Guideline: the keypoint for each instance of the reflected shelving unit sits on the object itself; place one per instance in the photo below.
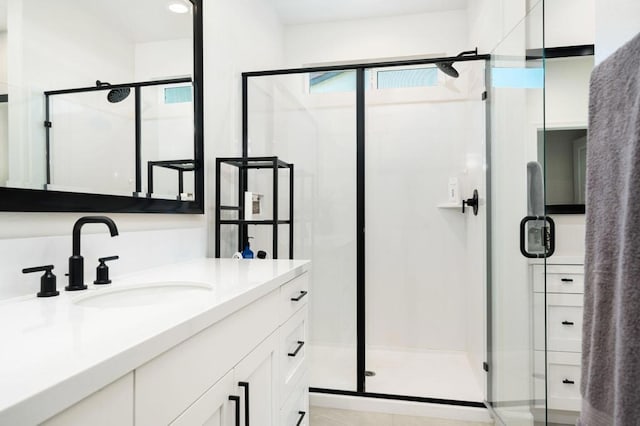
(244, 165)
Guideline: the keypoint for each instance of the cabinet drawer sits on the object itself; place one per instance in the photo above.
(171, 382)
(563, 381)
(295, 411)
(293, 351)
(564, 322)
(560, 278)
(294, 295)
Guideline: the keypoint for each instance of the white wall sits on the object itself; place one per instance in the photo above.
(239, 35)
(569, 22)
(443, 33)
(617, 21)
(490, 21)
(242, 35)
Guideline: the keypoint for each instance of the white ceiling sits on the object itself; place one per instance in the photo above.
(308, 11)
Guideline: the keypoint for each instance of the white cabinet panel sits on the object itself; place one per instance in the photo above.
(214, 408)
(111, 405)
(293, 351)
(294, 295)
(560, 279)
(168, 384)
(563, 369)
(295, 411)
(564, 322)
(258, 373)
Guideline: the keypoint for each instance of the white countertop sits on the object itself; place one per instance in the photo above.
(55, 352)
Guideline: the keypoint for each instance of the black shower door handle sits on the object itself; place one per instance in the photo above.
(548, 237)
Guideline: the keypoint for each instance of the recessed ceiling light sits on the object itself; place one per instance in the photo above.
(178, 7)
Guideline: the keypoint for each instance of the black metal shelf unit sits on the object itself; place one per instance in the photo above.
(244, 164)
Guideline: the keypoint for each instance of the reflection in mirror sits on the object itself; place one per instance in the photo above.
(564, 151)
(565, 165)
(97, 96)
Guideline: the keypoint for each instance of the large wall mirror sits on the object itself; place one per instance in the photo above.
(562, 147)
(101, 106)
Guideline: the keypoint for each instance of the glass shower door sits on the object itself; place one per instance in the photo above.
(308, 119)
(424, 263)
(516, 347)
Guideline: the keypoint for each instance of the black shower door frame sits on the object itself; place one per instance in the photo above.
(360, 207)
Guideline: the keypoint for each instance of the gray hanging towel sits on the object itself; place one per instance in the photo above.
(611, 335)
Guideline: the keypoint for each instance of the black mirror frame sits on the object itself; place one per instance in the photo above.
(32, 200)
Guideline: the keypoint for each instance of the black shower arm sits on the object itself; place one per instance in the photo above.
(468, 52)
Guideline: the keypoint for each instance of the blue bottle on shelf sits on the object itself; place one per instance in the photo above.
(247, 253)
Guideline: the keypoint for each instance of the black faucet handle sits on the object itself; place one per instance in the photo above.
(102, 271)
(46, 268)
(47, 281)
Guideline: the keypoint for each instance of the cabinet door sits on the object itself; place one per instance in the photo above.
(256, 378)
(213, 408)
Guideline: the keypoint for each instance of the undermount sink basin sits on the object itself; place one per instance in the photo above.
(158, 293)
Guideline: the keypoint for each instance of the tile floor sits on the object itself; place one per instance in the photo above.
(333, 417)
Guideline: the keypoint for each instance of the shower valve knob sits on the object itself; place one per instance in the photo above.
(472, 202)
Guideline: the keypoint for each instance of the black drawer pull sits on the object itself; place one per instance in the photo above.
(567, 322)
(568, 382)
(567, 280)
(300, 345)
(297, 299)
(236, 399)
(302, 414)
(247, 409)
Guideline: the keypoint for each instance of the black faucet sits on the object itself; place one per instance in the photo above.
(76, 262)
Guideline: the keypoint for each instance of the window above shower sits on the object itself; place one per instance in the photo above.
(345, 81)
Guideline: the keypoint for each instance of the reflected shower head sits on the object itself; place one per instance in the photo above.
(447, 67)
(115, 95)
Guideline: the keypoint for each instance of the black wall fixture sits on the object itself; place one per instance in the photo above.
(31, 200)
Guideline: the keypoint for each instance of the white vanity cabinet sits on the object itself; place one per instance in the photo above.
(243, 363)
(564, 306)
(246, 344)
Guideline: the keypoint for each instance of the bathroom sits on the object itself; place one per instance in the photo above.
(434, 316)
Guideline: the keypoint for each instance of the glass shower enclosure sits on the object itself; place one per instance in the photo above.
(412, 299)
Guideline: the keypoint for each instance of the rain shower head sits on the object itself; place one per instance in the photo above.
(115, 95)
(447, 67)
